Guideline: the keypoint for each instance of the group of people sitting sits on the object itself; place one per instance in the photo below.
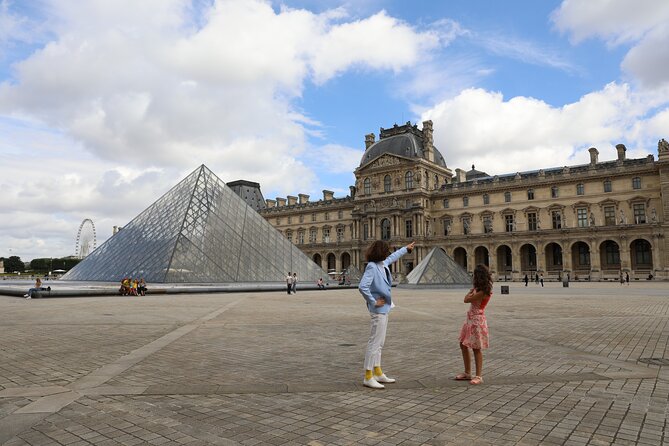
(133, 287)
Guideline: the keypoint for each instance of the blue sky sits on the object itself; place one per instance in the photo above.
(113, 102)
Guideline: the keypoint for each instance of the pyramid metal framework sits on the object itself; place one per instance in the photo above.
(438, 269)
(200, 231)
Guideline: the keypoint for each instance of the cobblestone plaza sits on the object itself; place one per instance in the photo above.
(578, 365)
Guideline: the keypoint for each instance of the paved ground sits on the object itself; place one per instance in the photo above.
(566, 366)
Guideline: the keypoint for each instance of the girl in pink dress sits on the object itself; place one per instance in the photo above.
(474, 333)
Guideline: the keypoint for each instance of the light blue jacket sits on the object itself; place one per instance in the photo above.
(377, 280)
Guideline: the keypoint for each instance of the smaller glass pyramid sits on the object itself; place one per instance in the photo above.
(200, 231)
(438, 269)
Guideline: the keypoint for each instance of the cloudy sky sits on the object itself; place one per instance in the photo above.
(104, 105)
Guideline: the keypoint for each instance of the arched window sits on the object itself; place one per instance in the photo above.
(385, 229)
(368, 186)
(387, 184)
(408, 180)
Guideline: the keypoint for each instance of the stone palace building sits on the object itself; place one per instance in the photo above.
(590, 221)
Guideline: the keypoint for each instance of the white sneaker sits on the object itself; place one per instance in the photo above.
(372, 383)
(27, 296)
(384, 379)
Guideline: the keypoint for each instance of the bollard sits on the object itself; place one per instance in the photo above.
(505, 289)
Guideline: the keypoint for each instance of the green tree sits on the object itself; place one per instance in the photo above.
(13, 264)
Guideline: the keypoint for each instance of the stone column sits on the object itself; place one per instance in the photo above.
(595, 261)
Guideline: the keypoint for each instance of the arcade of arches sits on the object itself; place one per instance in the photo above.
(595, 260)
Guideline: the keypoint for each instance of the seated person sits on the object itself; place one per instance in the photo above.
(38, 287)
(320, 284)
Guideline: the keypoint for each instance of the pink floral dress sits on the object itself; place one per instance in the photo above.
(474, 333)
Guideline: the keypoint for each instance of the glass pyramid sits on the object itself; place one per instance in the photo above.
(198, 232)
(437, 268)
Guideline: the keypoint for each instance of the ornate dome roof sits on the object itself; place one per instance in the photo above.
(406, 145)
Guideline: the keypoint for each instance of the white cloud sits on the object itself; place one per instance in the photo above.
(643, 24)
(124, 98)
(505, 136)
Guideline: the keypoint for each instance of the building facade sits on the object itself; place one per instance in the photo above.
(591, 222)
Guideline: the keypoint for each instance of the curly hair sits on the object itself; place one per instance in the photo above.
(378, 251)
(482, 279)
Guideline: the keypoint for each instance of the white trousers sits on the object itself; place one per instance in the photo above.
(377, 336)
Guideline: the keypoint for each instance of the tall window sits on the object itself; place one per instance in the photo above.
(340, 234)
(609, 215)
(408, 228)
(290, 219)
(301, 218)
(327, 216)
(326, 235)
(612, 253)
(507, 197)
(278, 221)
(340, 214)
(554, 192)
(368, 186)
(313, 217)
(408, 180)
(583, 254)
(313, 235)
(532, 221)
(639, 210)
(486, 199)
(636, 183)
(445, 203)
(642, 253)
(436, 181)
(580, 189)
(289, 236)
(530, 194)
(582, 217)
(300, 237)
(365, 231)
(607, 185)
(556, 217)
(465, 201)
(385, 229)
(387, 184)
(508, 222)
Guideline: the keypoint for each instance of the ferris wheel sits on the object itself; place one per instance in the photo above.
(86, 239)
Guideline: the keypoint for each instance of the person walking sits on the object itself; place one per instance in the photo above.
(294, 283)
(627, 278)
(289, 282)
(375, 286)
(474, 332)
(526, 279)
(541, 279)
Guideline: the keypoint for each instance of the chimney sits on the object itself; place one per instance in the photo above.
(594, 153)
(280, 201)
(369, 140)
(303, 198)
(291, 200)
(270, 203)
(460, 175)
(328, 195)
(353, 190)
(621, 151)
(428, 141)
